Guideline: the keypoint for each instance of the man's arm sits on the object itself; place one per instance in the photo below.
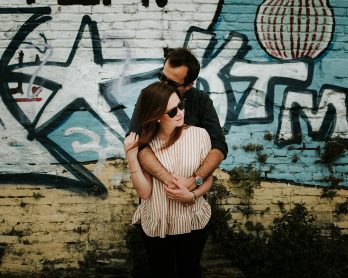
(210, 122)
(134, 122)
(151, 164)
(210, 163)
(208, 166)
(182, 194)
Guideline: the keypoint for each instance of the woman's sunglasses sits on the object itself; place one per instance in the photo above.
(172, 112)
(164, 78)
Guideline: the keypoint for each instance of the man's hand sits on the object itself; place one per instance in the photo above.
(189, 183)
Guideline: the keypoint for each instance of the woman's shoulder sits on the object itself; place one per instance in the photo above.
(197, 130)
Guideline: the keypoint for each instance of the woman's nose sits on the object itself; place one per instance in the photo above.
(181, 112)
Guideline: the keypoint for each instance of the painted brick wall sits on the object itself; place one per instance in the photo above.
(47, 229)
(71, 71)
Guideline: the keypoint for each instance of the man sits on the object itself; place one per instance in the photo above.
(181, 69)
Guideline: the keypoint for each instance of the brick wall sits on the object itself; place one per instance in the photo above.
(70, 74)
(46, 229)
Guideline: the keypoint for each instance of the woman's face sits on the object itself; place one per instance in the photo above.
(174, 104)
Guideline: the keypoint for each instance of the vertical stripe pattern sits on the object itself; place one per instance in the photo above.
(161, 216)
(291, 29)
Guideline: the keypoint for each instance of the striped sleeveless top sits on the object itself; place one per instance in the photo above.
(160, 216)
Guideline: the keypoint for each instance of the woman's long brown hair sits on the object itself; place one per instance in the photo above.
(152, 105)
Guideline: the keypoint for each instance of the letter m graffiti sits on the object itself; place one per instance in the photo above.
(325, 115)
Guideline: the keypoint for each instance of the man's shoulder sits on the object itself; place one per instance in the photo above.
(197, 92)
(197, 95)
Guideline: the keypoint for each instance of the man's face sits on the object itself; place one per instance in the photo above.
(177, 75)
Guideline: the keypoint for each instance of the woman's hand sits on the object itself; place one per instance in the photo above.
(131, 144)
(180, 193)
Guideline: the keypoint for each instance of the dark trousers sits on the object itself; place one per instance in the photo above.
(176, 256)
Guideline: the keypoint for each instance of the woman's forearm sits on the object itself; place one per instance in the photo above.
(141, 180)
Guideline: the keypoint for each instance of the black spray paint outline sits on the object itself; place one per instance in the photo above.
(77, 2)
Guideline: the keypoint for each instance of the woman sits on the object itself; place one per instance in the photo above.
(173, 220)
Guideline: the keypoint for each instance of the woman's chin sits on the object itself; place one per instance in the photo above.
(180, 122)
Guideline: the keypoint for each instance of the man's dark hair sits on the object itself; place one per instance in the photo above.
(178, 57)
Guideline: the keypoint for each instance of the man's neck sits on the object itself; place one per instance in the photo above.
(183, 94)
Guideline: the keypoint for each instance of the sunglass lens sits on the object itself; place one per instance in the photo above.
(173, 112)
(164, 78)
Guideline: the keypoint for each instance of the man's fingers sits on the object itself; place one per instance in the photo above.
(180, 185)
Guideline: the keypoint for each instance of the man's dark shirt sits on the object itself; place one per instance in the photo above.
(199, 111)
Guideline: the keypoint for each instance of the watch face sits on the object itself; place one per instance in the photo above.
(199, 181)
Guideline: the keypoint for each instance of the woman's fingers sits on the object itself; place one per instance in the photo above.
(132, 138)
(130, 141)
(171, 193)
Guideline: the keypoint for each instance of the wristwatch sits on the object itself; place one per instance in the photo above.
(198, 179)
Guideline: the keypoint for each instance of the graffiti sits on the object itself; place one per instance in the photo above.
(86, 116)
(94, 145)
(311, 26)
(2, 123)
(325, 115)
(83, 2)
(77, 2)
(34, 91)
(45, 133)
(70, 114)
(257, 103)
(160, 3)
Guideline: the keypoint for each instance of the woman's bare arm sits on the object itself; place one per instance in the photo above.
(142, 181)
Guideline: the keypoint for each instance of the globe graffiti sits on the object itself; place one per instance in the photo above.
(292, 29)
